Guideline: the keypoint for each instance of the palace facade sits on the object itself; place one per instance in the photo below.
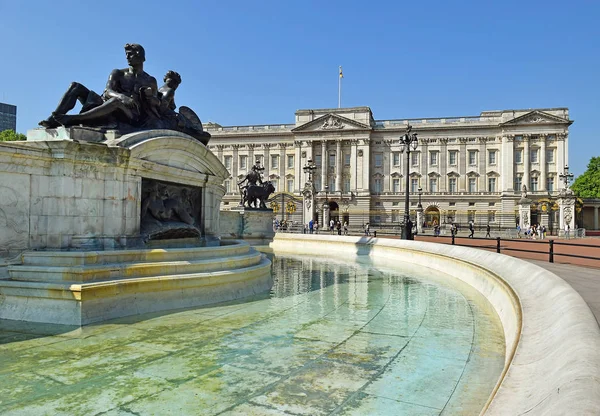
(468, 168)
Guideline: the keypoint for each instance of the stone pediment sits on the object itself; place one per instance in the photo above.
(331, 122)
(536, 117)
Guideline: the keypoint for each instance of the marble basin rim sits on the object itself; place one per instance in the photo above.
(552, 359)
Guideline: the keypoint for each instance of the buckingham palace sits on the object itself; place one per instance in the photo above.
(471, 168)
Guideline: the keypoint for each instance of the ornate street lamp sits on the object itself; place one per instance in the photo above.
(309, 169)
(408, 142)
(326, 208)
(566, 177)
(419, 215)
(309, 192)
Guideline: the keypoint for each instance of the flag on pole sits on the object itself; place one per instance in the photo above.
(341, 74)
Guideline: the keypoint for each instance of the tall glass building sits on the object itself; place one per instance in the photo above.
(8, 117)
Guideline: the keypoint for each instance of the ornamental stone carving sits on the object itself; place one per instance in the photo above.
(332, 123)
(568, 215)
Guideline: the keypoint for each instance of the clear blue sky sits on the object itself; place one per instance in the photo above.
(257, 62)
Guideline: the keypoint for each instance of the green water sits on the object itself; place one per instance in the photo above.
(329, 339)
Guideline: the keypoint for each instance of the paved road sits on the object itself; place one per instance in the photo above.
(584, 280)
(536, 249)
(582, 274)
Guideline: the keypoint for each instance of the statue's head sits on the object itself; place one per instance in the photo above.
(172, 79)
(135, 53)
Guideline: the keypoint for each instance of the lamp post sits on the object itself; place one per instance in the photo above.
(566, 177)
(326, 207)
(309, 192)
(419, 211)
(408, 142)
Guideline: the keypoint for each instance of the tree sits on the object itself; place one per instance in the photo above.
(588, 184)
(11, 136)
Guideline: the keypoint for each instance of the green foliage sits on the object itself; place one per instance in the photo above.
(588, 184)
(11, 136)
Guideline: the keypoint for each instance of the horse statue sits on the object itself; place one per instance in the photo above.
(256, 195)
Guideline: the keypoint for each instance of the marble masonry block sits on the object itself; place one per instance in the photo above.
(72, 134)
(113, 226)
(14, 211)
(114, 208)
(89, 226)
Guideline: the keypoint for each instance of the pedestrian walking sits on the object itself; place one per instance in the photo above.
(311, 226)
(367, 231)
(345, 227)
(567, 231)
(487, 231)
(471, 229)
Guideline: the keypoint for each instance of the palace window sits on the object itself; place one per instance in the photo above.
(378, 160)
(519, 156)
(433, 158)
(472, 157)
(491, 216)
(346, 185)
(396, 158)
(332, 160)
(534, 183)
(534, 155)
(243, 162)
(396, 185)
(290, 161)
(290, 185)
(346, 159)
(492, 157)
(550, 184)
(331, 184)
(549, 155)
(377, 185)
(452, 184)
(518, 182)
(472, 184)
(227, 186)
(274, 161)
(491, 184)
(452, 157)
(414, 158)
(227, 162)
(318, 160)
(471, 216)
(395, 215)
(414, 185)
(432, 184)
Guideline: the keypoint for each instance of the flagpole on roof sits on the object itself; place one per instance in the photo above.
(340, 88)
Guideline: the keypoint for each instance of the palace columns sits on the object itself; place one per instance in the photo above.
(542, 160)
(526, 162)
(353, 165)
(298, 184)
(235, 162)
(267, 162)
(282, 166)
(338, 165)
(507, 169)
(323, 164)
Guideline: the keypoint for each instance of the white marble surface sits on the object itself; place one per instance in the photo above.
(552, 337)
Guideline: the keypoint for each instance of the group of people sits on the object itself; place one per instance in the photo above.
(534, 232)
(313, 227)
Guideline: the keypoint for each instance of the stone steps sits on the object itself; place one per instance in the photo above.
(109, 271)
(74, 258)
(79, 288)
